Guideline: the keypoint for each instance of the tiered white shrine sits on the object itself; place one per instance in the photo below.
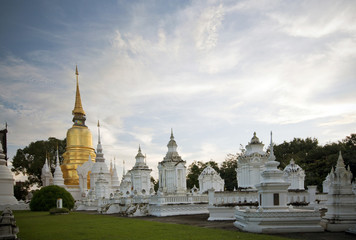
(294, 175)
(99, 167)
(172, 171)
(140, 176)
(210, 179)
(6, 183)
(273, 215)
(46, 174)
(251, 164)
(58, 175)
(341, 203)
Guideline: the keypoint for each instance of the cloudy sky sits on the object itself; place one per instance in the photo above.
(214, 71)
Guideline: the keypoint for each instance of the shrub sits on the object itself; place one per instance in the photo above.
(54, 211)
(46, 198)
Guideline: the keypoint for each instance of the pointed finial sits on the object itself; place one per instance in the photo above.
(340, 161)
(172, 137)
(78, 108)
(139, 148)
(271, 154)
(99, 141)
(57, 163)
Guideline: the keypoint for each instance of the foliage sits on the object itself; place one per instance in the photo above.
(46, 198)
(317, 160)
(195, 169)
(228, 171)
(31, 159)
(76, 225)
(155, 183)
(21, 190)
(54, 211)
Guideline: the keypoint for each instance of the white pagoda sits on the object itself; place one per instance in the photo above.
(172, 171)
(46, 175)
(295, 175)
(99, 166)
(341, 203)
(58, 174)
(209, 178)
(251, 164)
(140, 175)
(6, 183)
(273, 215)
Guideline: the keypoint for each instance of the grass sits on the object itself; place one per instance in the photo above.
(42, 225)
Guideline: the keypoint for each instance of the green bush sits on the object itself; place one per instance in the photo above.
(46, 198)
(54, 211)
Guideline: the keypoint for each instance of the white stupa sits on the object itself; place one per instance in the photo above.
(295, 175)
(341, 203)
(251, 164)
(99, 166)
(273, 215)
(115, 182)
(46, 175)
(58, 174)
(172, 171)
(209, 178)
(140, 175)
(6, 183)
(126, 184)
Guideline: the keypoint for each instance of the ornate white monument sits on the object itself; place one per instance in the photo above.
(6, 183)
(115, 182)
(140, 175)
(294, 175)
(250, 164)
(209, 178)
(58, 175)
(326, 184)
(341, 202)
(46, 175)
(126, 183)
(273, 215)
(99, 166)
(172, 171)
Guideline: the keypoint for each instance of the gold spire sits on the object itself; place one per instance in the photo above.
(78, 108)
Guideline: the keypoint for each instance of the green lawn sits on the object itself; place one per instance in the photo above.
(41, 225)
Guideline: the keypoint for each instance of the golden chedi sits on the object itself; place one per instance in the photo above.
(79, 143)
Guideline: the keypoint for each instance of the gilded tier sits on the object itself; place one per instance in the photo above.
(79, 147)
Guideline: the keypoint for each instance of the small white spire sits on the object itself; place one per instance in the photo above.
(57, 162)
(123, 167)
(272, 157)
(99, 132)
(340, 161)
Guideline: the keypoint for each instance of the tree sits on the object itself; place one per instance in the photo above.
(21, 190)
(195, 169)
(46, 198)
(228, 171)
(31, 159)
